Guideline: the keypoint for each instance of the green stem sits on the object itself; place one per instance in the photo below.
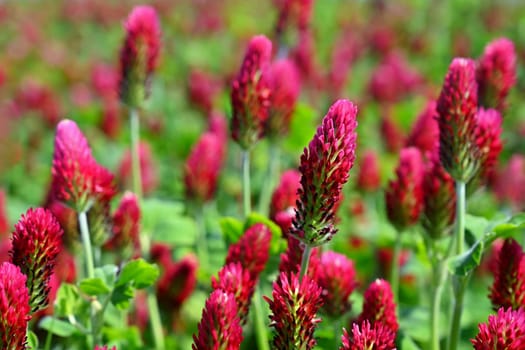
(260, 326)
(305, 260)
(438, 283)
(135, 152)
(266, 191)
(49, 336)
(459, 284)
(156, 325)
(394, 274)
(247, 205)
(202, 244)
(460, 216)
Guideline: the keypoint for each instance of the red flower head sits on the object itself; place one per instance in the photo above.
(336, 276)
(161, 254)
(202, 168)
(508, 289)
(126, 225)
(425, 132)
(139, 55)
(364, 336)
(291, 258)
(439, 199)
(324, 168)
(36, 241)
(510, 183)
(105, 347)
(220, 326)
(385, 257)
(251, 94)
(304, 57)
(456, 107)
(379, 306)
(284, 197)
(284, 83)
(14, 307)
(404, 195)
(392, 135)
(77, 179)
(41, 99)
(148, 168)
(506, 330)
(4, 223)
(177, 283)
(294, 307)
(252, 250)
(369, 176)
(234, 279)
(496, 73)
(299, 11)
(202, 90)
(488, 140)
(104, 79)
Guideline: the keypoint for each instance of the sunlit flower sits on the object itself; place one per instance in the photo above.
(367, 337)
(505, 330)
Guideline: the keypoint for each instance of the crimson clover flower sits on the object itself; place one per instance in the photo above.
(456, 107)
(425, 132)
(177, 282)
(139, 55)
(505, 330)
(294, 307)
(36, 242)
(234, 279)
(126, 225)
(77, 179)
(367, 337)
(496, 73)
(14, 307)
(284, 198)
(250, 93)
(488, 139)
(324, 168)
(508, 289)
(220, 326)
(379, 305)
(369, 176)
(148, 169)
(404, 194)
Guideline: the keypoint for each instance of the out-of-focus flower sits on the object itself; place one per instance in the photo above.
(488, 139)
(404, 194)
(439, 200)
(202, 90)
(126, 226)
(234, 279)
(369, 176)
(251, 94)
(110, 124)
(294, 307)
(496, 73)
(139, 55)
(505, 330)
(425, 132)
(105, 347)
(77, 179)
(252, 250)
(148, 169)
(105, 81)
(291, 259)
(14, 307)
(284, 198)
(202, 168)
(456, 107)
(36, 242)
(365, 336)
(510, 183)
(161, 253)
(41, 99)
(283, 80)
(299, 11)
(379, 306)
(220, 326)
(303, 54)
(508, 289)
(324, 168)
(4, 223)
(177, 282)
(336, 276)
(385, 257)
(392, 134)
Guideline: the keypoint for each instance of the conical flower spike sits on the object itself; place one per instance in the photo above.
(505, 331)
(379, 306)
(366, 337)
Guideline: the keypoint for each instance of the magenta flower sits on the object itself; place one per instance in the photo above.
(284, 83)
(105, 347)
(14, 307)
(508, 289)
(439, 201)
(404, 194)
(392, 134)
(510, 183)
(126, 226)
(379, 306)
(369, 175)
(220, 326)
(36, 242)
(505, 330)
(335, 274)
(324, 168)
(139, 55)
(294, 307)
(4, 223)
(456, 107)
(284, 198)
(252, 250)
(425, 132)
(177, 282)
(291, 259)
(488, 139)
(77, 179)
(234, 279)
(496, 73)
(202, 90)
(364, 336)
(250, 94)
(202, 168)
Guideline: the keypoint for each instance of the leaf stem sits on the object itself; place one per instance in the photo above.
(135, 152)
(156, 325)
(394, 273)
(305, 260)
(260, 326)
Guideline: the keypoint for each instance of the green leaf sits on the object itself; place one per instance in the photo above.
(277, 243)
(477, 225)
(67, 300)
(513, 226)
(122, 295)
(94, 286)
(463, 264)
(232, 229)
(32, 340)
(139, 273)
(408, 344)
(302, 128)
(58, 327)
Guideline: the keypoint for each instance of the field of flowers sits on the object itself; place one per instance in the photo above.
(285, 174)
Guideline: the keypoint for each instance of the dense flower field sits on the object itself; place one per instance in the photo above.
(286, 174)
